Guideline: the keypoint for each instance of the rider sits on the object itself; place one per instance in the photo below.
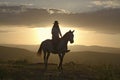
(56, 35)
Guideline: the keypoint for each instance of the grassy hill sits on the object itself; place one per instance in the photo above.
(85, 65)
(70, 72)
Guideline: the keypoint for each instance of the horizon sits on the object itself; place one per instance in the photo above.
(10, 45)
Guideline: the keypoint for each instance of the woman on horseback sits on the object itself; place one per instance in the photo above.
(56, 35)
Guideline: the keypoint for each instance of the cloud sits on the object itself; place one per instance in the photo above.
(52, 11)
(12, 9)
(4, 31)
(18, 15)
(10, 3)
(107, 3)
(103, 21)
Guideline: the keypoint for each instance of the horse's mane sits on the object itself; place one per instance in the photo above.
(65, 35)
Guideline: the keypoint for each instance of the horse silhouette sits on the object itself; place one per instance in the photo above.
(47, 47)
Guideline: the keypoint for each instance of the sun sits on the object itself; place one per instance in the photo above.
(43, 33)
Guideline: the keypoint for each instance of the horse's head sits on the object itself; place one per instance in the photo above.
(70, 36)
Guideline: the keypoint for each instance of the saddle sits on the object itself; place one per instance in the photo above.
(55, 48)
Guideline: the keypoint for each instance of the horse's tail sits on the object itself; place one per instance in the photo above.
(40, 49)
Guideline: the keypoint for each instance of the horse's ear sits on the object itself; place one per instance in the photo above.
(69, 30)
(73, 31)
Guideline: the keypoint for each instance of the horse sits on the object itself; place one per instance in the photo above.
(47, 47)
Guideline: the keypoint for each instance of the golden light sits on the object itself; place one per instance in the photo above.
(45, 33)
(32, 36)
(23, 35)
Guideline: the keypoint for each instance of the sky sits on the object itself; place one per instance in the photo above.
(96, 22)
(68, 5)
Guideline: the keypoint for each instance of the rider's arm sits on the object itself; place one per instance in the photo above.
(60, 32)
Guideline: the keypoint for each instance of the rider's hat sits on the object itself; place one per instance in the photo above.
(56, 22)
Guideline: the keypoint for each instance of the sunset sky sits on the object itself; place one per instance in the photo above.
(96, 22)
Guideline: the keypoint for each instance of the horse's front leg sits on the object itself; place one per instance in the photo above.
(61, 56)
(60, 61)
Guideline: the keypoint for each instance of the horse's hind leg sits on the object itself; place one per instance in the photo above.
(46, 56)
(47, 59)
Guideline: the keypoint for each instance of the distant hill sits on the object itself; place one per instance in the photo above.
(73, 48)
(82, 57)
(12, 53)
(95, 49)
(90, 57)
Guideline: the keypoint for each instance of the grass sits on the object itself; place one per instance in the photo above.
(72, 71)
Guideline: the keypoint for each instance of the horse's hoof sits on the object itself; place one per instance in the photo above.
(45, 69)
(60, 69)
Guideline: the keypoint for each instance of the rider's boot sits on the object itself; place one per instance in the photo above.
(67, 51)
